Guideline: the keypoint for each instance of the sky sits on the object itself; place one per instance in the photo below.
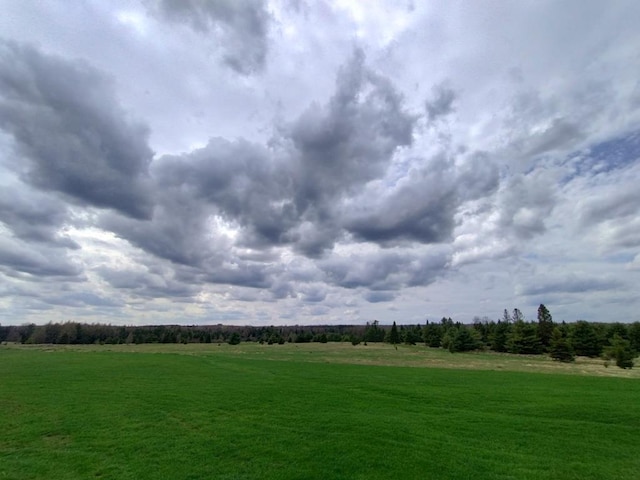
(318, 162)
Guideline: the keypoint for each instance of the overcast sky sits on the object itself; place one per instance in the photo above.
(312, 162)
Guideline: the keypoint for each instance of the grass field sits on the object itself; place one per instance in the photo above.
(311, 411)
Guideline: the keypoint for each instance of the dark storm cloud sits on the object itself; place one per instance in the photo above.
(176, 232)
(342, 146)
(34, 217)
(148, 283)
(309, 188)
(349, 141)
(225, 183)
(241, 27)
(383, 271)
(240, 180)
(422, 206)
(314, 294)
(420, 210)
(39, 261)
(305, 190)
(287, 194)
(70, 134)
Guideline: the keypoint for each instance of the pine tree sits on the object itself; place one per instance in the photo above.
(393, 336)
(498, 337)
(517, 316)
(432, 335)
(523, 338)
(559, 347)
(545, 326)
(584, 339)
(620, 350)
(463, 339)
(634, 336)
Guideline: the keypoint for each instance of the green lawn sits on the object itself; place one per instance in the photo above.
(257, 412)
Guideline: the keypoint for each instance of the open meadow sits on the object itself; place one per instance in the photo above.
(302, 411)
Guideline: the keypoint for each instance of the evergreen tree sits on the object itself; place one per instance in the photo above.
(620, 328)
(393, 337)
(517, 316)
(634, 336)
(559, 347)
(523, 338)
(545, 326)
(373, 333)
(432, 335)
(321, 338)
(463, 339)
(620, 350)
(411, 334)
(584, 339)
(483, 327)
(498, 336)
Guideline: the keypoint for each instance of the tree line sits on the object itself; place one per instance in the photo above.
(617, 342)
(72, 333)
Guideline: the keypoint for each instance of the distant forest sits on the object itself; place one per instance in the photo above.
(619, 342)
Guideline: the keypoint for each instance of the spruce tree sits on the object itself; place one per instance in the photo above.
(559, 347)
(620, 350)
(523, 338)
(499, 335)
(432, 335)
(234, 339)
(545, 326)
(584, 339)
(394, 336)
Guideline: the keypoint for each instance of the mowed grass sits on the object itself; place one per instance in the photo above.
(254, 412)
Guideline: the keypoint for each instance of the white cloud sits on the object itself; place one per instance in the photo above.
(169, 162)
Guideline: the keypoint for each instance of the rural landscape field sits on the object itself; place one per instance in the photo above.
(314, 410)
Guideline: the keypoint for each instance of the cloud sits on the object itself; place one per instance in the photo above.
(422, 205)
(312, 161)
(240, 180)
(605, 206)
(67, 125)
(526, 203)
(342, 146)
(82, 299)
(154, 282)
(569, 283)
(384, 270)
(621, 203)
(441, 102)
(37, 261)
(240, 27)
(558, 134)
(35, 217)
(377, 297)
(285, 194)
(314, 293)
(421, 209)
